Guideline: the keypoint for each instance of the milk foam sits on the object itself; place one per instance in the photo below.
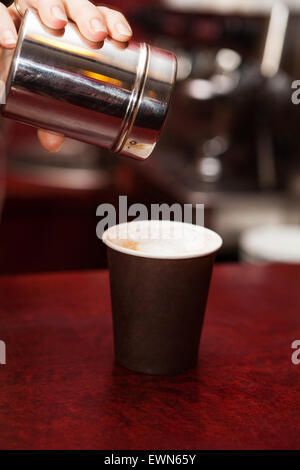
(162, 239)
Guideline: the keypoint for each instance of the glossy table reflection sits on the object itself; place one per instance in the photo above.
(61, 390)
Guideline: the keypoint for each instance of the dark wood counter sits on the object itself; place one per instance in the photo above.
(61, 390)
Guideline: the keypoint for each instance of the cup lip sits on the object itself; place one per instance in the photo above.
(192, 254)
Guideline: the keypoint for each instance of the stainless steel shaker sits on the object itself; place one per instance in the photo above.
(111, 94)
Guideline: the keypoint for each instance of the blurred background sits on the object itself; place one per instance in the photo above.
(231, 143)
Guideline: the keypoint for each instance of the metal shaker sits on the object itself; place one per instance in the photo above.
(113, 95)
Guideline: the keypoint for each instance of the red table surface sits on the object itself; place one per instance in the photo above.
(60, 388)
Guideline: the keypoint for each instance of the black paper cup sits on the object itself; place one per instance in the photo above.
(159, 297)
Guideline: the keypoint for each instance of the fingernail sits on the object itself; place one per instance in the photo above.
(58, 13)
(56, 149)
(9, 37)
(123, 29)
(98, 26)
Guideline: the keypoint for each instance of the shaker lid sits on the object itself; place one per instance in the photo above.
(155, 79)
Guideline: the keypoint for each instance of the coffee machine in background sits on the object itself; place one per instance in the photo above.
(231, 139)
(232, 135)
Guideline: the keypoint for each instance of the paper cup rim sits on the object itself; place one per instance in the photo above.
(141, 254)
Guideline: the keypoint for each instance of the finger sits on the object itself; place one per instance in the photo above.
(14, 15)
(8, 33)
(117, 25)
(88, 19)
(50, 140)
(52, 12)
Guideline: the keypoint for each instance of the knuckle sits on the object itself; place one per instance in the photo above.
(46, 4)
(3, 10)
(92, 8)
(84, 8)
(120, 17)
(40, 4)
(83, 4)
(109, 12)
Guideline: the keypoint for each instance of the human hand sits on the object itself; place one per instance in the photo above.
(95, 23)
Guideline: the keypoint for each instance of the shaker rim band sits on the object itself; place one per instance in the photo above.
(135, 98)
